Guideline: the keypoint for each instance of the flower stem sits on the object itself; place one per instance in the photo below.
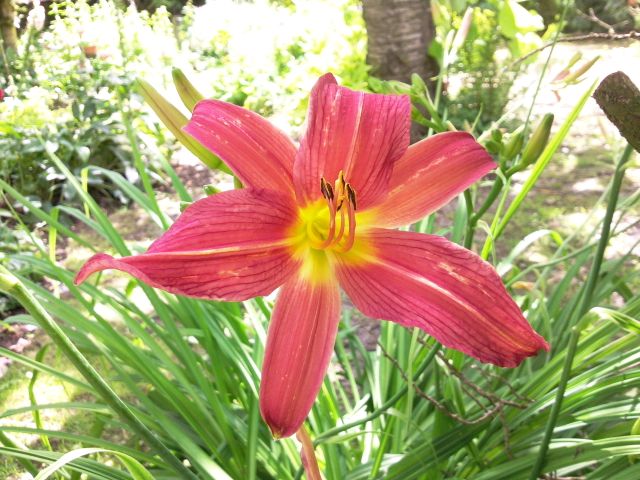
(12, 286)
(309, 460)
(472, 222)
(584, 306)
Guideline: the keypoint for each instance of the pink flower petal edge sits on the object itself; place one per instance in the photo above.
(430, 174)
(425, 281)
(231, 246)
(362, 134)
(258, 153)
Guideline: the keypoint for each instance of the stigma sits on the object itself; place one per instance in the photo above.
(341, 233)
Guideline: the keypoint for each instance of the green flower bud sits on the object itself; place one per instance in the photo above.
(514, 145)
(537, 142)
(174, 120)
(576, 57)
(575, 76)
(188, 93)
(417, 84)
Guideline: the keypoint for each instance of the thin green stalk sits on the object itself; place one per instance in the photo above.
(377, 461)
(546, 64)
(37, 419)
(584, 307)
(13, 287)
(468, 237)
(496, 219)
(486, 205)
(410, 392)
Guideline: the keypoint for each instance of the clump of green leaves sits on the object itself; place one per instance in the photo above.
(481, 61)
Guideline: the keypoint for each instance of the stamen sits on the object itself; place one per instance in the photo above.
(325, 188)
(332, 228)
(344, 194)
(351, 236)
(351, 195)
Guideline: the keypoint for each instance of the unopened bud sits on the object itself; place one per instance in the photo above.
(576, 57)
(417, 84)
(174, 120)
(463, 31)
(189, 95)
(514, 145)
(575, 76)
(537, 142)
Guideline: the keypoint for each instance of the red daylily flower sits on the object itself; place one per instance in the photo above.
(316, 218)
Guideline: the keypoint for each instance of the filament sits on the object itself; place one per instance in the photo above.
(341, 197)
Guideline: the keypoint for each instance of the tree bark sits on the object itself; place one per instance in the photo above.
(399, 33)
(619, 98)
(7, 26)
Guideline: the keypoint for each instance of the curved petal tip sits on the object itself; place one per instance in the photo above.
(98, 262)
(426, 281)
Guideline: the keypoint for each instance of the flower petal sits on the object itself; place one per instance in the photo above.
(258, 153)
(230, 246)
(362, 134)
(427, 282)
(300, 343)
(429, 175)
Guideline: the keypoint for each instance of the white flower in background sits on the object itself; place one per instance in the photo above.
(36, 16)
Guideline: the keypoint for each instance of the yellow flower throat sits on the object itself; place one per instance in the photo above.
(325, 228)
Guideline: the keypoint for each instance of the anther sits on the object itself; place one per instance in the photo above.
(351, 195)
(325, 188)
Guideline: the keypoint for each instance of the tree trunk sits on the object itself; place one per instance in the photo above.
(7, 26)
(399, 33)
